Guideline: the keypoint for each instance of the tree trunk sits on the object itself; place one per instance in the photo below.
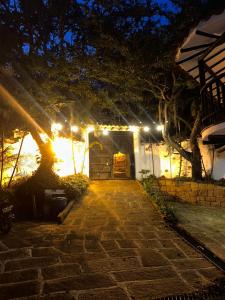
(17, 160)
(194, 157)
(196, 162)
(47, 156)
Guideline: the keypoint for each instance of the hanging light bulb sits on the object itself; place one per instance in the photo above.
(74, 128)
(146, 129)
(159, 127)
(56, 127)
(90, 129)
(105, 131)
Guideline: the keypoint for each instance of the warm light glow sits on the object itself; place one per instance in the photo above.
(90, 128)
(56, 127)
(133, 128)
(74, 128)
(146, 129)
(159, 127)
(68, 154)
(105, 132)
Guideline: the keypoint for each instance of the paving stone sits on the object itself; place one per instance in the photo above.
(194, 263)
(78, 258)
(22, 289)
(134, 235)
(151, 258)
(211, 273)
(153, 244)
(34, 262)
(148, 234)
(127, 244)
(157, 288)
(83, 282)
(62, 270)
(109, 245)
(92, 246)
(194, 278)
(45, 251)
(13, 242)
(112, 235)
(109, 294)
(145, 274)
(122, 253)
(94, 239)
(172, 253)
(166, 243)
(17, 276)
(113, 264)
(13, 254)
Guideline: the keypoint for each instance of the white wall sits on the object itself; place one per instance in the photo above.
(168, 164)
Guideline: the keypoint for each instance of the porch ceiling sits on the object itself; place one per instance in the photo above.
(207, 35)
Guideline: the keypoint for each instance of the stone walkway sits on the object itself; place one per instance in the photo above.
(206, 224)
(114, 246)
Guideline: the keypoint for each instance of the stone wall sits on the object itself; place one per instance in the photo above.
(194, 193)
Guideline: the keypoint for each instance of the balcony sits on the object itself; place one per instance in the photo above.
(213, 110)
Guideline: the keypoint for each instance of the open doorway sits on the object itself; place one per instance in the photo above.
(111, 156)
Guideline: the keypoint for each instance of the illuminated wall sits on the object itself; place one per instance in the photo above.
(73, 157)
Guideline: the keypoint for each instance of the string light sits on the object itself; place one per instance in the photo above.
(74, 128)
(56, 127)
(133, 128)
(90, 128)
(105, 131)
(146, 129)
(159, 127)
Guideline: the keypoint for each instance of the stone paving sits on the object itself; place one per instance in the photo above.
(114, 246)
(206, 224)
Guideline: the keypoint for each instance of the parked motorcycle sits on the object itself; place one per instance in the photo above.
(6, 215)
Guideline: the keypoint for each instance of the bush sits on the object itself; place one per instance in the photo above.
(26, 188)
(74, 185)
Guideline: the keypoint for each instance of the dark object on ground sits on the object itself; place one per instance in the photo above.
(55, 201)
(6, 215)
(64, 213)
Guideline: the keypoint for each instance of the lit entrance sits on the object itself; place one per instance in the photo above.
(111, 156)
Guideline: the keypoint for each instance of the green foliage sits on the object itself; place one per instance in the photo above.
(74, 185)
(162, 200)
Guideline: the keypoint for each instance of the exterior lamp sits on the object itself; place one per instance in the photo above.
(133, 128)
(56, 127)
(90, 129)
(105, 131)
(74, 128)
(146, 129)
(159, 127)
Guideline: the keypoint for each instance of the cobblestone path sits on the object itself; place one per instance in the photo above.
(114, 246)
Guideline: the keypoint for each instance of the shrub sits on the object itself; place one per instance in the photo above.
(74, 185)
(26, 188)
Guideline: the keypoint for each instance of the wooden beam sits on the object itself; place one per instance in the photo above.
(190, 57)
(207, 34)
(182, 50)
(214, 45)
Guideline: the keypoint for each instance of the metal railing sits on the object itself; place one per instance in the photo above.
(213, 101)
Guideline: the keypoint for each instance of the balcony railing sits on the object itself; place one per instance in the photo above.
(213, 101)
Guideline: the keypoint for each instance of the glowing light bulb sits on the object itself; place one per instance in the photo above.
(105, 131)
(56, 127)
(146, 129)
(133, 128)
(74, 128)
(90, 129)
(159, 127)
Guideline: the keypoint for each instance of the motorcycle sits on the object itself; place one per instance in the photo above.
(6, 215)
